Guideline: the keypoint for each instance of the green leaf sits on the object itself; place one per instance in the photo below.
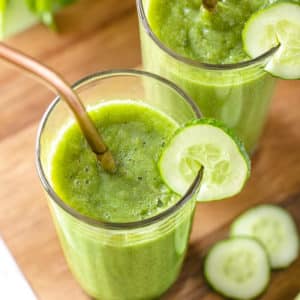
(45, 9)
(3, 6)
(31, 4)
(66, 2)
(44, 6)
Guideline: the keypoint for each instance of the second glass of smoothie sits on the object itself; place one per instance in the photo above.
(202, 52)
(124, 235)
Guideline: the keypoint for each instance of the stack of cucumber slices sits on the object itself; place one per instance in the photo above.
(263, 238)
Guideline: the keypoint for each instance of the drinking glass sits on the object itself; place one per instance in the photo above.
(237, 94)
(111, 261)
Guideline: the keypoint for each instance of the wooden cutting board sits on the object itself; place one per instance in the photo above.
(98, 35)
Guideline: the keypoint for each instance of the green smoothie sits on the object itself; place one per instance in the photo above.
(239, 96)
(119, 264)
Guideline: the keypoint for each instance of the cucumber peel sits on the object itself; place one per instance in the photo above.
(208, 143)
(274, 228)
(237, 268)
(276, 25)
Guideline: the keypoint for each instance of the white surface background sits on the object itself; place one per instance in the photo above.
(13, 285)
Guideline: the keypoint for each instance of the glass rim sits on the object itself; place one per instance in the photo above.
(197, 63)
(88, 220)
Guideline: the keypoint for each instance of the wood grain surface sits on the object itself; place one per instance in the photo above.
(97, 35)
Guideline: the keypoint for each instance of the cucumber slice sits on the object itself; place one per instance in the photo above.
(278, 24)
(207, 143)
(237, 268)
(274, 228)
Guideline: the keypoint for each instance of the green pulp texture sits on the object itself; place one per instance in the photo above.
(119, 264)
(239, 97)
(135, 134)
(189, 29)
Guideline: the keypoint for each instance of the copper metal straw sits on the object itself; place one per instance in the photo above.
(60, 86)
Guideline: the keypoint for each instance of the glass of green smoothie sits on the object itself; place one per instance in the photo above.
(202, 52)
(124, 235)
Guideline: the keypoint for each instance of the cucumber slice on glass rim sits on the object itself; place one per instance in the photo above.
(274, 228)
(237, 268)
(209, 144)
(275, 25)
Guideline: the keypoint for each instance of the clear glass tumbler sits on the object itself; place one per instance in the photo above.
(126, 261)
(238, 94)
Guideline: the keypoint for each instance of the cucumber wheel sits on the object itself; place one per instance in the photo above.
(205, 143)
(237, 268)
(277, 25)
